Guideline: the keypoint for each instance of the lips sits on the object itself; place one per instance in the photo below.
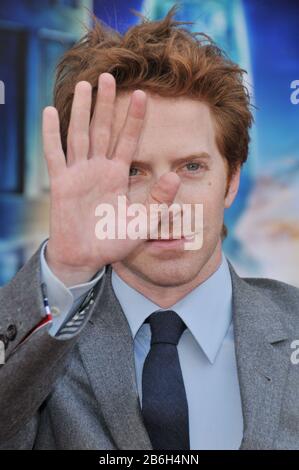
(170, 238)
(159, 239)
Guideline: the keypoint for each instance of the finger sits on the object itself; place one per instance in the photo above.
(162, 192)
(129, 136)
(52, 146)
(165, 189)
(101, 123)
(78, 132)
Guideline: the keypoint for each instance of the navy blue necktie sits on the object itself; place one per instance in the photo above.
(164, 401)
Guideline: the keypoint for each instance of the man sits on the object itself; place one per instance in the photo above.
(139, 343)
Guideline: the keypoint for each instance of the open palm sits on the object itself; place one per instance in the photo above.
(86, 177)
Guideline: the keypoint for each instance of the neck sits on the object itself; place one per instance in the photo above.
(163, 296)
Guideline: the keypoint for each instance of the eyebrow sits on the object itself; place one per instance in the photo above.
(202, 155)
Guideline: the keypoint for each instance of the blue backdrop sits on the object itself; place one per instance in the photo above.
(261, 35)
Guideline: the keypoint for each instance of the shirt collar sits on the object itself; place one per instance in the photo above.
(206, 310)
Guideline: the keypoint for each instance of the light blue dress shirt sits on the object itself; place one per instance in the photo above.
(62, 300)
(206, 349)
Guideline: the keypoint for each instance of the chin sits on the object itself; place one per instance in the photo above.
(166, 270)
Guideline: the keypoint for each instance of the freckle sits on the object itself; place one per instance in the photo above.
(209, 183)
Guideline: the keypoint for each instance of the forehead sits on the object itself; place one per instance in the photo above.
(170, 124)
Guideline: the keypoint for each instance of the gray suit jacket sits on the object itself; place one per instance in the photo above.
(81, 393)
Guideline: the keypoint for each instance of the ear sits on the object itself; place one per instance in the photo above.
(232, 188)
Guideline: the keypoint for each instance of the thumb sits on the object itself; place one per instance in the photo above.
(165, 189)
(162, 192)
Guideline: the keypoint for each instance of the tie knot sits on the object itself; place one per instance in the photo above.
(166, 327)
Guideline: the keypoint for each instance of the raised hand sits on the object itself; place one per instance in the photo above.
(87, 178)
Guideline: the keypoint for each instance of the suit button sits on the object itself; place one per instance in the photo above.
(11, 332)
(55, 311)
(4, 340)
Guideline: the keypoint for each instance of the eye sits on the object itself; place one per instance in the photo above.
(194, 167)
(133, 171)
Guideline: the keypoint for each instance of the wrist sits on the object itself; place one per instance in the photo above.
(68, 274)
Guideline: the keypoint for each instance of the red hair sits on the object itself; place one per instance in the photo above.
(164, 58)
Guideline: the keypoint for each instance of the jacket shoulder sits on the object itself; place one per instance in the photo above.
(273, 285)
(284, 295)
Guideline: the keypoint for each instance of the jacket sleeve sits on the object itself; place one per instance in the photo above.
(34, 359)
(64, 301)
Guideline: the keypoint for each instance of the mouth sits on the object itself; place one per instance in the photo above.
(171, 238)
(168, 243)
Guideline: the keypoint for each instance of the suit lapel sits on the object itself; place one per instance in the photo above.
(263, 358)
(107, 351)
(262, 354)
